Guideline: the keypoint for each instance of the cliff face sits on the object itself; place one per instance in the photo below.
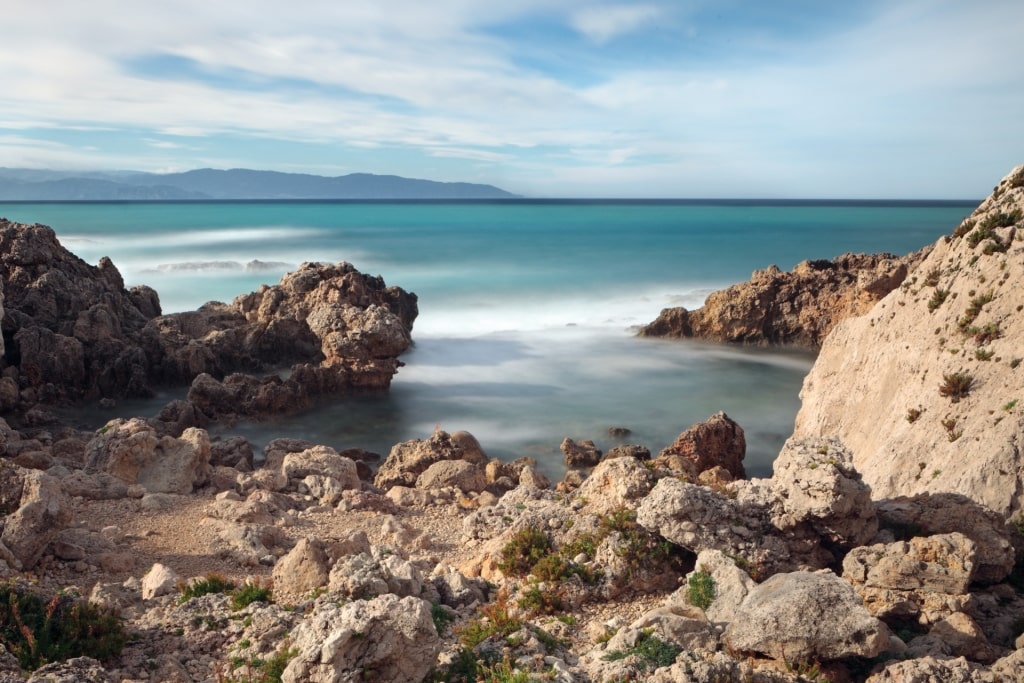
(798, 307)
(927, 388)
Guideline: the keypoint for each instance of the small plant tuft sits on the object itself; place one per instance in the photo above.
(651, 652)
(250, 592)
(914, 414)
(701, 588)
(211, 583)
(956, 385)
(526, 548)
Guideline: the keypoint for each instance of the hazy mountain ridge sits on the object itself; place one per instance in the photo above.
(46, 185)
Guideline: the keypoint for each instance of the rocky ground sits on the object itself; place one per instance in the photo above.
(446, 565)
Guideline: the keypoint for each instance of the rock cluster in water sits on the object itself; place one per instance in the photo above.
(72, 332)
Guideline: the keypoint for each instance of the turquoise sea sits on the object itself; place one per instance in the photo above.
(526, 307)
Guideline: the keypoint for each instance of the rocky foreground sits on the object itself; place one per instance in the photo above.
(149, 551)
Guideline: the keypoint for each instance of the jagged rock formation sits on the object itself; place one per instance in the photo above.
(799, 307)
(925, 389)
(72, 332)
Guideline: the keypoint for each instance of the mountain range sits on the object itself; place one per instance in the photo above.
(18, 184)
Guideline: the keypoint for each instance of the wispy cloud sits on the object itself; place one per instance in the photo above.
(603, 23)
(593, 97)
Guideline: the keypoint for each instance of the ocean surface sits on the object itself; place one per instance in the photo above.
(528, 309)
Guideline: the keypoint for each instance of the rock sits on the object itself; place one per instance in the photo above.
(945, 513)
(73, 331)
(615, 483)
(582, 454)
(817, 485)
(320, 461)
(732, 585)
(235, 451)
(342, 330)
(409, 459)
(305, 568)
(393, 637)
(928, 669)
(159, 580)
(802, 616)
(43, 512)
(926, 576)
(635, 451)
(877, 382)
(800, 307)
(131, 451)
(962, 637)
(75, 670)
(717, 441)
(465, 476)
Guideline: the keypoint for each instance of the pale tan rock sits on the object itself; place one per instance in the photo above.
(321, 461)
(466, 476)
(615, 483)
(132, 451)
(43, 512)
(305, 568)
(159, 580)
(876, 382)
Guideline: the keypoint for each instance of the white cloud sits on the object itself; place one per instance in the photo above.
(602, 23)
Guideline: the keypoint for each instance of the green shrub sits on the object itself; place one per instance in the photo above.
(937, 298)
(38, 630)
(527, 547)
(701, 589)
(651, 652)
(250, 592)
(211, 583)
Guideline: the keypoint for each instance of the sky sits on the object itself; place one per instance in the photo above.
(545, 98)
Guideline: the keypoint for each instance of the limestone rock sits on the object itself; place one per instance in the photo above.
(799, 307)
(75, 670)
(615, 483)
(342, 330)
(928, 669)
(409, 459)
(732, 585)
(465, 476)
(926, 576)
(131, 451)
(802, 616)
(817, 485)
(876, 383)
(159, 580)
(945, 513)
(43, 512)
(321, 461)
(718, 441)
(391, 636)
(305, 568)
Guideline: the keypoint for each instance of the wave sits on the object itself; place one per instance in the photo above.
(254, 266)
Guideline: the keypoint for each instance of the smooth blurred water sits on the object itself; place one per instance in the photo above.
(525, 307)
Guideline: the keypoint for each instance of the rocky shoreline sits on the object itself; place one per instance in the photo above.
(167, 555)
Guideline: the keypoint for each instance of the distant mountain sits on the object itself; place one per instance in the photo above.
(45, 185)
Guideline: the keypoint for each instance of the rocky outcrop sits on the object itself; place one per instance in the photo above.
(42, 513)
(799, 307)
(71, 330)
(925, 388)
(408, 460)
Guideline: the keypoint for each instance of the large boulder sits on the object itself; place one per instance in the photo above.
(804, 616)
(305, 568)
(131, 451)
(390, 636)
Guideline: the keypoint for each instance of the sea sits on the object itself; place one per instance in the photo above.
(528, 308)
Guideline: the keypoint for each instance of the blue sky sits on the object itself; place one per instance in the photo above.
(552, 98)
